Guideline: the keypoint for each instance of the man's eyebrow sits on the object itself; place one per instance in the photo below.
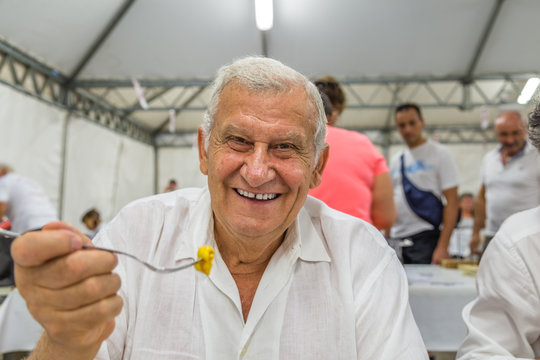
(287, 136)
(290, 137)
(231, 128)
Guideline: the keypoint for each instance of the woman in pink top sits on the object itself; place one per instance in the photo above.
(356, 179)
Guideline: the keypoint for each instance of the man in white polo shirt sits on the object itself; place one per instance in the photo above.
(510, 178)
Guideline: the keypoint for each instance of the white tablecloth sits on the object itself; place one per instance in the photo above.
(437, 296)
(18, 330)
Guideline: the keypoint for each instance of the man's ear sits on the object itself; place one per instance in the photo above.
(316, 176)
(203, 155)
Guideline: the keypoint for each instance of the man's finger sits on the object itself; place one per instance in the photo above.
(84, 293)
(67, 270)
(37, 247)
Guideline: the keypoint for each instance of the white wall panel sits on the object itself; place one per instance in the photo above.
(135, 172)
(31, 139)
(104, 170)
(181, 164)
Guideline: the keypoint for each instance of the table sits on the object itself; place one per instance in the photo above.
(437, 296)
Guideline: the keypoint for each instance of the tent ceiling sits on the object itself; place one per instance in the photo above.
(386, 51)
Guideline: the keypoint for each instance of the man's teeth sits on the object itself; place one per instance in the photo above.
(256, 196)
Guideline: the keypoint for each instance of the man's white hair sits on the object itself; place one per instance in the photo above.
(534, 126)
(262, 75)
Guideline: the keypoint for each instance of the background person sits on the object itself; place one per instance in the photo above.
(281, 256)
(92, 221)
(356, 180)
(503, 322)
(510, 178)
(171, 186)
(430, 174)
(24, 202)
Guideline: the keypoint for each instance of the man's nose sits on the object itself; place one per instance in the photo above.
(257, 168)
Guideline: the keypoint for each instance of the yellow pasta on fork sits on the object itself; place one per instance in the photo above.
(206, 253)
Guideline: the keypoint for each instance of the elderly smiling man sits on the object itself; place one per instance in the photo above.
(292, 279)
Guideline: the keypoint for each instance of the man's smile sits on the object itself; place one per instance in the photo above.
(251, 195)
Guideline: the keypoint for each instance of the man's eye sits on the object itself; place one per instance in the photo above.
(238, 139)
(284, 146)
(239, 144)
(285, 149)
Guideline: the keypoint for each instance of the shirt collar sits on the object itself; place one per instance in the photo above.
(199, 230)
(310, 241)
(301, 234)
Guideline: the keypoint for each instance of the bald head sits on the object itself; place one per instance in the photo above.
(511, 132)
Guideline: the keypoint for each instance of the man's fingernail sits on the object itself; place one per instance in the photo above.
(76, 243)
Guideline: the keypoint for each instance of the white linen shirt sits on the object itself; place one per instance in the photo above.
(333, 290)
(504, 320)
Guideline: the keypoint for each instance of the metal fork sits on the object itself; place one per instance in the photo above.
(159, 269)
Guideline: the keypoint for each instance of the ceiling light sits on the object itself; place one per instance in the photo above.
(264, 14)
(528, 91)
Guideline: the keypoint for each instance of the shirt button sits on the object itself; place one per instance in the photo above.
(243, 352)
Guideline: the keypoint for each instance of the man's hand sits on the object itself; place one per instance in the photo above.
(69, 291)
(475, 243)
(440, 253)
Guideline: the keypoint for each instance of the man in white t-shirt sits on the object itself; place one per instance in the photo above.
(24, 202)
(430, 174)
(510, 177)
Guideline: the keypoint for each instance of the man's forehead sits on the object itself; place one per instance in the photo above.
(235, 97)
(510, 120)
(296, 135)
(407, 114)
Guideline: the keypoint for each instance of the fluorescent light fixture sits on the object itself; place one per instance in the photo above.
(528, 91)
(264, 14)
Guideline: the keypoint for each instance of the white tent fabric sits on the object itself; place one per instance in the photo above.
(103, 169)
(31, 139)
(352, 40)
(181, 164)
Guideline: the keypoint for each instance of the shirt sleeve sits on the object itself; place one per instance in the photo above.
(384, 309)
(4, 194)
(503, 320)
(448, 171)
(482, 172)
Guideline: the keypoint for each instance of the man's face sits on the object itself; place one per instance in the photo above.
(260, 161)
(410, 126)
(510, 132)
(466, 204)
(91, 222)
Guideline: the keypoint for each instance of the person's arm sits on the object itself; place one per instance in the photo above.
(503, 320)
(69, 291)
(3, 206)
(448, 224)
(383, 210)
(479, 219)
